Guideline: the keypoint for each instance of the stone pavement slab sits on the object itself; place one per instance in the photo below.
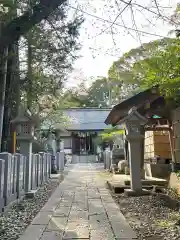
(52, 236)
(80, 208)
(33, 232)
(57, 224)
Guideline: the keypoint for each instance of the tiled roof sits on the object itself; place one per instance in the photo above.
(87, 118)
(80, 119)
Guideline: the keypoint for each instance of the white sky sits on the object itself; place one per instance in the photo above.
(99, 52)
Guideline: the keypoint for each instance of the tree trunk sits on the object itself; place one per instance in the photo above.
(3, 74)
(29, 73)
(12, 94)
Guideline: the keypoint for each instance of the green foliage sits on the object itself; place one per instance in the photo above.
(55, 120)
(6, 3)
(130, 69)
(103, 92)
(111, 134)
(161, 68)
(47, 53)
(178, 174)
(98, 93)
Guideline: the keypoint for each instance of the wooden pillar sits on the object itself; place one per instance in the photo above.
(73, 143)
(92, 148)
(172, 149)
(126, 150)
(142, 132)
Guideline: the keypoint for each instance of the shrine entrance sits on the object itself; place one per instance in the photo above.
(83, 147)
(83, 144)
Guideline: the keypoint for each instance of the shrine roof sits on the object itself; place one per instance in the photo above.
(82, 119)
(139, 100)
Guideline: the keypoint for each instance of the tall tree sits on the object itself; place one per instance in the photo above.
(53, 55)
(123, 70)
(162, 68)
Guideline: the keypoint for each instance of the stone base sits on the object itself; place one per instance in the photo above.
(132, 193)
(158, 182)
(55, 176)
(31, 193)
(116, 187)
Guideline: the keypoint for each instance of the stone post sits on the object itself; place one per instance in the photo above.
(104, 158)
(38, 168)
(43, 166)
(52, 149)
(21, 168)
(26, 150)
(60, 161)
(33, 173)
(133, 123)
(108, 159)
(135, 162)
(46, 166)
(2, 167)
(8, 178)
(14, 177)
(58, 157)
(49, 164)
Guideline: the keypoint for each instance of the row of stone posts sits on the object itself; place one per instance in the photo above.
(14, 172)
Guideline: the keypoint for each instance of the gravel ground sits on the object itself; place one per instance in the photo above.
(19, 216)
(151, 217)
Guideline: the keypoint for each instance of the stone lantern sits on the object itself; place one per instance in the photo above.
(133, 123)
(24, 124)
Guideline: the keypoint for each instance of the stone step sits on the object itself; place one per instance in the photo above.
(119, 188)
(147, 182)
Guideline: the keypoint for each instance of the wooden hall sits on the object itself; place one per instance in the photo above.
(81, 132)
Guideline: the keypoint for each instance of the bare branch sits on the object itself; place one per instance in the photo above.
(151, 11)
(134, 22)
(119, 14)
(155, 1)
(117, 24)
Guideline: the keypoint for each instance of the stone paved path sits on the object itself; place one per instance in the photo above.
(80, 208)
